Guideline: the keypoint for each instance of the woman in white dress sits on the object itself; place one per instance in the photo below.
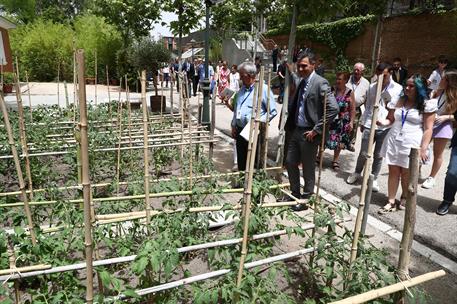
(412, 126)
(446, 96)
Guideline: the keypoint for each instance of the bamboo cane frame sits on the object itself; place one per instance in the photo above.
(17, 164)
(132, 197)
(85, 178)
(22, 135)
(37, 270)
(78, 187)
(29, 94)
(384, 291)
(366, 172)
(253, 136)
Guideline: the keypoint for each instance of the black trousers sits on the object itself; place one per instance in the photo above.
(195, 80)
(242, 146)
(301, 151)
(275, 63)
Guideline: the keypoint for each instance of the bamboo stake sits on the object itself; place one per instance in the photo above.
(384, 291)
(161, 102)
(410, 221)
(146, 148)
(75, 83)
(129, 118)
(109, 95)
(17, 69)
(249, 172)
(85, 178)
(1, 73)
(13, 269)
(267, 123)
(189, 118)
(96, 76)
(17, 163)
(119, 147)
(366, 172)
(320, 153)
(58, 84)
(213, 123)
(67, 101)
(171, 96)
(30, 98)
(22, 134)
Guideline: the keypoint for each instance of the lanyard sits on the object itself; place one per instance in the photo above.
(250, 91)
(441, 105)
(403, 117)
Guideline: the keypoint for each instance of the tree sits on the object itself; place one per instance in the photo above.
(133, 18)
(21, 11)
(189, 14)
(60, 11)
(145, 54)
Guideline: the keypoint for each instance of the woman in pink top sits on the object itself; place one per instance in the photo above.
(223, 78)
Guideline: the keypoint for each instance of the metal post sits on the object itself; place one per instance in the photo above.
(206, 81)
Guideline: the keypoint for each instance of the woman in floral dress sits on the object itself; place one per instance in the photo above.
(339, 136)
(223, 78)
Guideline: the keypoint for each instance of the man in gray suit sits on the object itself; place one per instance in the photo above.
(306, 120)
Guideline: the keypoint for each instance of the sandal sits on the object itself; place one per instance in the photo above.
(335, 165)
(402, 204)
(388, 208)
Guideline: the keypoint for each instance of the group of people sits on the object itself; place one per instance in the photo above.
(413, 112)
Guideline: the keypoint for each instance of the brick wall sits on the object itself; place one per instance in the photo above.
(418, 40)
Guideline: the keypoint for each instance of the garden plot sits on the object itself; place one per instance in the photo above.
(81, 228)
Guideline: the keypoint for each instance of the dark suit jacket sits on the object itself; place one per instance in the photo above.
(314, 104)
(403, 76)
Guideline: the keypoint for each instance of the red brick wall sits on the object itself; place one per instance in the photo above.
(418, 40)
(6, 44)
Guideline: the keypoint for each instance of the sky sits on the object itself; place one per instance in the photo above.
(160, 30)
(164, 31)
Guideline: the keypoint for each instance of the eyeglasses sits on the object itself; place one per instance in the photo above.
(302, 66)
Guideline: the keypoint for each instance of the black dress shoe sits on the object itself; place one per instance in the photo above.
(306, 195)
(299, 207)
(286, 198)
(443, 208)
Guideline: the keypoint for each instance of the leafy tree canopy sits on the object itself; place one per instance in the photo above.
(133, 18)
(26, 11)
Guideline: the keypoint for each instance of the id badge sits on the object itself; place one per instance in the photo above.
(238, 114)
(400, 136)
(386, 96)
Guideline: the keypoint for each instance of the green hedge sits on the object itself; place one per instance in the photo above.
(42, 45)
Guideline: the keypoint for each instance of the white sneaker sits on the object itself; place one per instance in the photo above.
(352, 178)
(429, 183)
(375, 187)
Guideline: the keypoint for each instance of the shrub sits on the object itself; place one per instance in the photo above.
(94, 34)
(41, 46)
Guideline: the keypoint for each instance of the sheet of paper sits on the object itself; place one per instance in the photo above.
(245, 132)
